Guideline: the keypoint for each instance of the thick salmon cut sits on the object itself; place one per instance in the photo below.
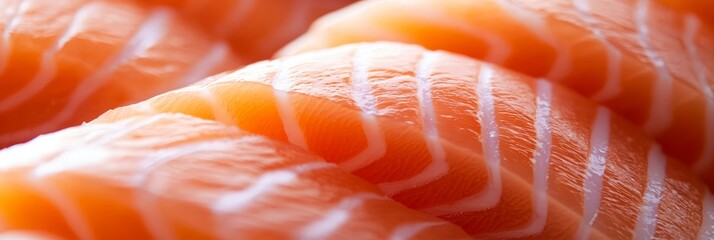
(178, 177)
(255, 29)
(65, 63)
(498, 153)
(642, 59)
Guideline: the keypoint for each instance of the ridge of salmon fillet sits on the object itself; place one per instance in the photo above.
(646, 61)
(171, 176)
(64, 64)
(498, 153)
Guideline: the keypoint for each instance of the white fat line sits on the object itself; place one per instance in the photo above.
(281, 87)
(69, 210)
(706, 229)
(499, 49)
(660, 109)
(691, 28)
(362, 91)
(220, 112)
(144, 200)
(57, 163)
(235, 17)
(614, 56)
(336, 217)
(597, 161)
(704, 163)
(362, 95)
(12, 23)
(408, 231)
(423, 74)
(48, 66)
(67, 161)
(491, 195)
(206, 65)
(148, 35)
(376, 145)
(233, 202)
(438, 166)
(656, 174)
(122, 129)
(239, 200)
(147, 166)
(538, 27)
(541, 162)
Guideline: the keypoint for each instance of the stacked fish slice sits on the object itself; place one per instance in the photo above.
(391, 119)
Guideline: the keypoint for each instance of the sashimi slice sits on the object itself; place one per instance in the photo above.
(500, 154)
(62, 64)
(173, 176)
(643, 60)
(255, 29)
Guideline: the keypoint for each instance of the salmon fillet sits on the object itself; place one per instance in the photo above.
(173, 176)
(647, 62)
(255, 29)
(62, 64)
(498, 153)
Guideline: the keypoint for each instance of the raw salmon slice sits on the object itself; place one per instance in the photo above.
(500, 154)
(62, 64)
(255, 29)
(645, 61)
(178, 177)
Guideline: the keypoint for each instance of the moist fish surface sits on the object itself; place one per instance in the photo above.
(171, 176)
(645, 60)
(65, 63)
(498, 153)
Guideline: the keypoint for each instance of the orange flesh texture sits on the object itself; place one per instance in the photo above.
(320, 95)
(162, 176)
(518, 36)
(701, 8)
(77, 88)
(254, 29)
